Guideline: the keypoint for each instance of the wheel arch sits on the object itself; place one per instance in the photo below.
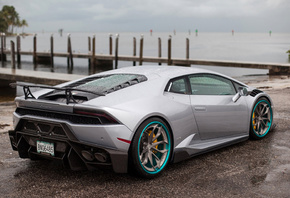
(154, 116)
(267, 97)
(170, 132)
(260, 97)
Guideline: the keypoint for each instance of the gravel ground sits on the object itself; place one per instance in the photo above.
(248, 169)
(6, 111)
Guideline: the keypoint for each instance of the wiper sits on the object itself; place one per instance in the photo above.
(68, 91)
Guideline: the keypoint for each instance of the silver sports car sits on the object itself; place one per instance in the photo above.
(138, 118)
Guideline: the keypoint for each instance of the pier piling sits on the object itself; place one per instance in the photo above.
(4, 40)
(141, 50)
(134, 50)
(51, 54)
(89, 43)
(92, 68)
(18, 44)
(89, 51)
(187, 48)
(34, 51)
(12, 54)
(110, 44)
(169, 51)
(2, 49)
(3, 56)
(116, 51)
(70, 63)
(159, 49)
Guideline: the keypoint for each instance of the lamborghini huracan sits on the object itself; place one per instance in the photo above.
(137, 119)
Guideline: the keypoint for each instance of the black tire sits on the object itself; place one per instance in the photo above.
(261, 119)
(151, 148)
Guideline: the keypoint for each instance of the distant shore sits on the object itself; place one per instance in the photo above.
(20, 34)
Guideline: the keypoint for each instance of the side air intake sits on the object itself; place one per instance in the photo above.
(255, 92)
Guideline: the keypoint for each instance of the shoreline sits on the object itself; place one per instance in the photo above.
(19, 34)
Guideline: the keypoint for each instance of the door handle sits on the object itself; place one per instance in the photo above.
(200, 108)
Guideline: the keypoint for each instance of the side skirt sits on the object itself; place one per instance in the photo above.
(201, 147)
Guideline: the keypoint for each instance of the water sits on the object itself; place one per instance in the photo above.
(250, 47)
(7, 94)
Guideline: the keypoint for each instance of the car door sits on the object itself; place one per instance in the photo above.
(179, 109)
(215, 112)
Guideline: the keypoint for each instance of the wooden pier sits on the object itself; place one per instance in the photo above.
(36, 77)
(97, 62)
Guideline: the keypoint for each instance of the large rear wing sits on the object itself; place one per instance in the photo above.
(68, 91)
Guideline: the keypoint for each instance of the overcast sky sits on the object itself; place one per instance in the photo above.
(159, 15)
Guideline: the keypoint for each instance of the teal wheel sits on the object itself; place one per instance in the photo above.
(151, 148)
(261, 119)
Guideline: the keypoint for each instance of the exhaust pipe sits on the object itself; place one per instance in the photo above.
(101, 157)
(87, 155)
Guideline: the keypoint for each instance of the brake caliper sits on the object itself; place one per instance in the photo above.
(254, 121)
(151, 131)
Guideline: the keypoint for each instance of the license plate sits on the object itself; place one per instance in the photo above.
(45, 147)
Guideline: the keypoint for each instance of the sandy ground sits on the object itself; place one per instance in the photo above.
(6, 111)
(270, 83)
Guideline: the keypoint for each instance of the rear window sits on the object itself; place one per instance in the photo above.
(109, 83)
(178, 86)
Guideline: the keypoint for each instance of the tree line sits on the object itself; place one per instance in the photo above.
(10, 20)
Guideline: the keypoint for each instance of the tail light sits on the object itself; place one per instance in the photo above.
(102, 116)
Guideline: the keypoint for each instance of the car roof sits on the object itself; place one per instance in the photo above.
(163, 72)
(157, 71)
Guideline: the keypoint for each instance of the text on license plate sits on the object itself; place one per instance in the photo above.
(45, 147)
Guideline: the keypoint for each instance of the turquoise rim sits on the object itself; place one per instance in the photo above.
(271, 118)
(168, 146)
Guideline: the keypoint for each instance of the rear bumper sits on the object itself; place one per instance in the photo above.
(68, 152)
(76, 146)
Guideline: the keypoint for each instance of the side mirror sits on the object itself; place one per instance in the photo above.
(242, 91)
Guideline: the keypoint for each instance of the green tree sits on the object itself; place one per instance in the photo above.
(10, 16)
(3, 23)
(23, 24)
(9, 19)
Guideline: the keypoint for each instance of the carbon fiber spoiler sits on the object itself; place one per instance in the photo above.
(68, 91)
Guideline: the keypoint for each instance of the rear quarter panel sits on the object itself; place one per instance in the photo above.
(133, 105)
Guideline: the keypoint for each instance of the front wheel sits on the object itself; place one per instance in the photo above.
(151, 148)
(262, 119)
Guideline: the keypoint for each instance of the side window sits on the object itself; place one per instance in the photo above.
(237, 85)
(207, 84)
(177, 86)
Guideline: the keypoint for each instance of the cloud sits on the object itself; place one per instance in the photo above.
(206, 8)
(134, 15)
(100, 12)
